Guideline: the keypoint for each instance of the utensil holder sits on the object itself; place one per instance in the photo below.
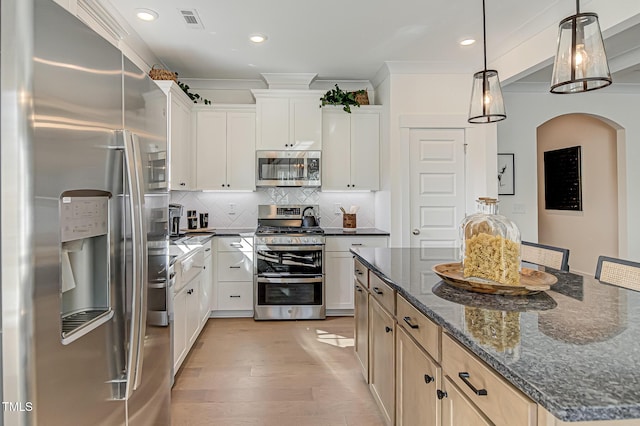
(349, 221)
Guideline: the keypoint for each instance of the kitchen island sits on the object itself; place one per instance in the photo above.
(574, 350)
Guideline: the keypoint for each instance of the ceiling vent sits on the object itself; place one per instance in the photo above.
(191, 18)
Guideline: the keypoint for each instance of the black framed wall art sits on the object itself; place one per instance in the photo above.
(506, 174)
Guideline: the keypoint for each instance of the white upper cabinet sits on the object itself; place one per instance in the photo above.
(225, 148)
(179, 140)
(288, 119)
(351, 148)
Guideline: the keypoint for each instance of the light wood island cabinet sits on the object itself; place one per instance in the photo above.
(382, 359)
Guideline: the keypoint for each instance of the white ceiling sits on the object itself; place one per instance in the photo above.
(337, 39)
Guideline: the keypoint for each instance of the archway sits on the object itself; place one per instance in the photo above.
(592, 229)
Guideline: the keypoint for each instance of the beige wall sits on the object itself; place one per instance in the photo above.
(594, 230)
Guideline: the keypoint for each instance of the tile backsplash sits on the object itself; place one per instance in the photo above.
(240, 209)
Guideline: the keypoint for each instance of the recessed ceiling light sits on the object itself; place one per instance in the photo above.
(258, 38)
(146, 14)
(467, 42)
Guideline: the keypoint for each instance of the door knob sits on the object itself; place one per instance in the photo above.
(416, 231)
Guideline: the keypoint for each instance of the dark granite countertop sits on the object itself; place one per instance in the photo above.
(575, 349)
(338, 232)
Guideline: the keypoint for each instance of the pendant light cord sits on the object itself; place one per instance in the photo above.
(484, 35)
(577, 7)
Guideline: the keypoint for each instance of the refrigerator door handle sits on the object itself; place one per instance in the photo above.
(138, 248)
(143, 272)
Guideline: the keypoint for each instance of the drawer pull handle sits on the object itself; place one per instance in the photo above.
(428, 379)
(235, 245)
(465, 378)
(190, 291)
(358, 289)
(441, 394)
(388, 329)
(408, 321)
(376, 290)
(356, 244)
(234, 267)
(207, 249)
(234, 295)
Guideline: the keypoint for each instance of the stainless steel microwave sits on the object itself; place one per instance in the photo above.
(288, 168)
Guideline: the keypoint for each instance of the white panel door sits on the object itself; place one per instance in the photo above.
(437, 190)
(211, 150)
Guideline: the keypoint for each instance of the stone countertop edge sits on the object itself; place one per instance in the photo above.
(562, 412)
(358, 232)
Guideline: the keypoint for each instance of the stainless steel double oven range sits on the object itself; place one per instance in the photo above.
(288, 263)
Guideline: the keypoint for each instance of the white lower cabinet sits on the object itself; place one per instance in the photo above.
(233, 277)
(186, 323)
(339, 270)
(207, 283)
(179, 329)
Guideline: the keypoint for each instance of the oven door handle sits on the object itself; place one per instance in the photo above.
(289, 280)
(288, 247)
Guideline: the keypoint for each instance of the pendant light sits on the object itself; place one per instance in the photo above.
(487, 105)
(581, 62)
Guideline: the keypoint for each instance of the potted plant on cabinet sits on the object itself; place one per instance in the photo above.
(338, 96)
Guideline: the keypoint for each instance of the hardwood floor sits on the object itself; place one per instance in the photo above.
(268, 373)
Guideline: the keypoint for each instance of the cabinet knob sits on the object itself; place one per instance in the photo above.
(376, 290)
(428, 379)
(183, 184)
(222, 185)
(441, 394)
(348, 186)
(388, 329)
(190, 291)
(416, 231)
(358, 289)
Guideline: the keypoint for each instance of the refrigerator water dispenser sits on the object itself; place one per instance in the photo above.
(84, 262)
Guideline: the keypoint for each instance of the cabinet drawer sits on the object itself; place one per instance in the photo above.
(421, 328)
(234, 244)
(234, 266)
(345, 243)
(235, 296)
(382, 293)
(361, 273)
(503, 404)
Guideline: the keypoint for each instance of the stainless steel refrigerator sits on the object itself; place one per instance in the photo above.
(84, 216)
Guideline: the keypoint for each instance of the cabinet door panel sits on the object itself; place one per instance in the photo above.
(211, 150)
(193, 309)
(458, 410)
(381, 359)
(338, 280)
(361, 315)
(417, 379)
(306, 123)
(273, 123)
(179, 329)
(336, 130)
(241, 146)
(181, 146)
(365, 151)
